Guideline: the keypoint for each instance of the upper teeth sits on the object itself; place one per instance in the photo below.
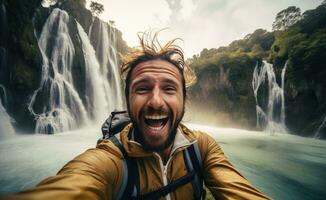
(156, 117)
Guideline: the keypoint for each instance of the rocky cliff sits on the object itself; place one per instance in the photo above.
(21, 59)
(224, 88)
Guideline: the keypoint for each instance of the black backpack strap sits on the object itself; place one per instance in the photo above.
(198, 164)
(129, 188)
(169, 188)
(193, 162)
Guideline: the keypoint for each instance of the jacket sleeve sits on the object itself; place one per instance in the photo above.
(91, 175)
(221, 178)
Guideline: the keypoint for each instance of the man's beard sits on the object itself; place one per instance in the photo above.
(139, 136)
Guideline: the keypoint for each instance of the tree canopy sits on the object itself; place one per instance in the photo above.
(96, 8)
(286, 18)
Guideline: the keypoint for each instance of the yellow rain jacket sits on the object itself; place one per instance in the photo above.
(97, 173)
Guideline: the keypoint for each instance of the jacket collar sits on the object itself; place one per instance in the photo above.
(184, 138)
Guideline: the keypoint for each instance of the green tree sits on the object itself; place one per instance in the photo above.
(286, 18)
(96, 8)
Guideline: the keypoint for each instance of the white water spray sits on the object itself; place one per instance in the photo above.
(273, 119)
(114, 78)
(107, 57)
(95, 92)
(6, 128)
(56, 105)
(321, 126)
(282, 95)
(48, 3)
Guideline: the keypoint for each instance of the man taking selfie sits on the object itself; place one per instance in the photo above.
(155, 156)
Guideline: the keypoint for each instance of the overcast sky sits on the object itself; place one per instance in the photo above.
(200, 23)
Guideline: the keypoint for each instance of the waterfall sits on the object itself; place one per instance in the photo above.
(319, 130)
(56, 104)
(3, 96)
(48, 3)
(282, 97)
(6, 128)
(273, 117)
(114, 77)
(107, 56)
(95, 87)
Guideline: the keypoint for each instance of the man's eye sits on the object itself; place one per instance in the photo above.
(141, 90)
(170, 89)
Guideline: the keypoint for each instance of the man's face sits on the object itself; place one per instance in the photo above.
(156, 103)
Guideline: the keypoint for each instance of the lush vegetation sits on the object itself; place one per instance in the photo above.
(224, 78)
(20, 57)
(96, 8)
(225, 73)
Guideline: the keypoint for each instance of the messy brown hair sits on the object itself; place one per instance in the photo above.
(151, 49)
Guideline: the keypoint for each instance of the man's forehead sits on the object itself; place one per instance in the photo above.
(156, 67)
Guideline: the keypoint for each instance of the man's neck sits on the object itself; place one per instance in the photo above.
(165, 154)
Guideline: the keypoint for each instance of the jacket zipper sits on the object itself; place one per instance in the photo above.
(164, 174)
(165, 167)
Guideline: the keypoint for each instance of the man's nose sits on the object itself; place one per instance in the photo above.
(156, 100)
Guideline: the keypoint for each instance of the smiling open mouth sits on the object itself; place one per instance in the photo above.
(156, 122)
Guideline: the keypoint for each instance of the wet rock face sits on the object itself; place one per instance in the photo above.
(298, 116)
(224, 91)
(21, 59)
(226, 94)
(302, 46)
(305, 106)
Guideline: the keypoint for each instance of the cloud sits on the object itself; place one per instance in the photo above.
(201, 23)
(187, 8)
(181, 9)
(132, 17)
(214, 23)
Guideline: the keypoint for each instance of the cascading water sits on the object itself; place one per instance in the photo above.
(3, 96)
(48, 3)
(95, 87)
(6, 128)
(282, 96)
(107, 57)
(273, 118)
(114, 77)
(319, 130)
(56, 104)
